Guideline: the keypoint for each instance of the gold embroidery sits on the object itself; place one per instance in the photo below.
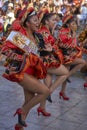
(19, 40)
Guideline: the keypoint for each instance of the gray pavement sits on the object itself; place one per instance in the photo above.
(66, 115)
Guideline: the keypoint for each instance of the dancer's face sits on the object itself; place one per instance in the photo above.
(73, 26)
(51, 21)
(33, 23)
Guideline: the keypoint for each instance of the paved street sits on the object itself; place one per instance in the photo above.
(66, 115)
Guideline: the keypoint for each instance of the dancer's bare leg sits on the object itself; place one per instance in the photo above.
(28, 96)
(32, 85)
(48, 80)
(63, 88)
(79, 63)
(61, 73)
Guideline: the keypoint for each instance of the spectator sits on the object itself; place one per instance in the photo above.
(5, 6)
(1, 3)
(83, 14)
(58, 2)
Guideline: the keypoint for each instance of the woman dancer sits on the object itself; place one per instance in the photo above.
(68, 44)
(51, 56)
(25, 68)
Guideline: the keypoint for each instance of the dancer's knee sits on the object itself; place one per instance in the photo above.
(64, 77)
(66, 72)
(46, 91)
(83, 63)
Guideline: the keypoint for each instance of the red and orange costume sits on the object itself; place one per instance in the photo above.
(68, 44)
(50, 58)
(18, 62)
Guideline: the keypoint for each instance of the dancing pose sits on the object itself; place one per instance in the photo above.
(51, 55)
(25, 67)
(68, 44)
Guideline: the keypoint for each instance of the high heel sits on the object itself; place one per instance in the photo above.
(85, 85)
(19, 112)
(63, 96)
(17, 127)
(49, 99)
(44, 113)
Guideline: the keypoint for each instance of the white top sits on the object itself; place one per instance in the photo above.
(83, 10)
(58, 2)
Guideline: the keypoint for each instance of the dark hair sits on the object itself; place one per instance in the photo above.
(17, 13)
(60, 15)
(68, 22)
(46, 17)
(65, 25)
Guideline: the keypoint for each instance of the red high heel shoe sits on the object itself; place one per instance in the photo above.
(63, 96)
(85, 85)
(17, 127)
(44, 113)
(19, 112)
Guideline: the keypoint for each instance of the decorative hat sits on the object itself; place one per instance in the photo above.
(29, 11)
(17, 12)
(41, 13)
(22, 12)
(67, 18)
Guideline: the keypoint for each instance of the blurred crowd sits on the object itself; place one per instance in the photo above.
(8, 9)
